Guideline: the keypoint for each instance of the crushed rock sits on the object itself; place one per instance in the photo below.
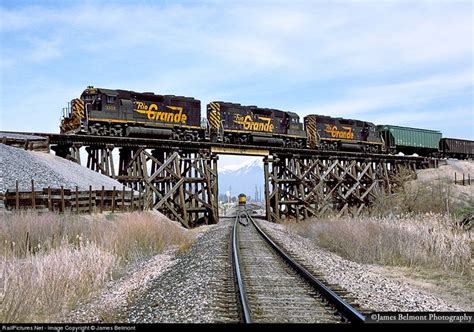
(373, 291)
(46, 170)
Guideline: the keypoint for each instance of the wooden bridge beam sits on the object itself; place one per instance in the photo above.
(301, 186)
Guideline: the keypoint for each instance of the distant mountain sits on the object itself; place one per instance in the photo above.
(242, 178)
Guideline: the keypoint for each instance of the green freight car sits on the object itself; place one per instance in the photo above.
(410, 140)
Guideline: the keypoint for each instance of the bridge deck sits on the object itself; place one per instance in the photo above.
(219, 148)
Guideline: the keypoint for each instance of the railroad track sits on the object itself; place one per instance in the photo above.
(152, 143)
(273, 288)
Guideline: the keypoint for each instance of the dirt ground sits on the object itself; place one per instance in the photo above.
(453, 288)
(446, 173)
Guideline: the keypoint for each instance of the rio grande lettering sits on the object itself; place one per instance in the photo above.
(336, 133)
(249, 124)
(174, 115)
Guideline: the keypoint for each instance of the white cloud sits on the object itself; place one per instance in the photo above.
(303, 40)
(412, 94)
(44, 50)
(215, 50)
(438, 119)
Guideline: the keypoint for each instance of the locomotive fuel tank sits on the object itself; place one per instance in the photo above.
(149, 132)
(266, 140)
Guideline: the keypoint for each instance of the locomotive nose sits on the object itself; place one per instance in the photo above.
(72, 120)
(242, 199)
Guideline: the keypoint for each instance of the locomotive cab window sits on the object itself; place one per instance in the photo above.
(110, 100)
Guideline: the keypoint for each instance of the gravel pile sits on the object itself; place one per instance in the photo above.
(191, 291)
(372, 291)
(47, 170)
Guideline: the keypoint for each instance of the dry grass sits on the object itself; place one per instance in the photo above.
(435, 194)
(50, 262)
(37, 288)
(416, 229)
(431, 241)
(135, 238)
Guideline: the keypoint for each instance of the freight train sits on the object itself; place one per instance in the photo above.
(106, 112)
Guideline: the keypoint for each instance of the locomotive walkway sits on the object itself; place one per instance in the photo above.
(220, 148)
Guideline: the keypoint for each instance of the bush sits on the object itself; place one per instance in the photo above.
(41, 287)
(50, 262)
(428, 240)
(437, 195)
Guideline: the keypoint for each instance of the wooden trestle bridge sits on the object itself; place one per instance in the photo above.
(180, 179)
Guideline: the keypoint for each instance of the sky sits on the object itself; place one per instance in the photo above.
(406, 63)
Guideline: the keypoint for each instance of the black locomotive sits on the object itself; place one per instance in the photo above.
(127, 113)
(237, 124)
(328, 133)
(106, 112)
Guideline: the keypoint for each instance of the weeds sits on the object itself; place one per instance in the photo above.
(430, 240)
(50, 262)
(420, 197)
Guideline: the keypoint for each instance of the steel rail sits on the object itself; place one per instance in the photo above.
(345, 309)
(244, 304)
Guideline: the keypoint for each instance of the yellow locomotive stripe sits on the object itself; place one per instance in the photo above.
(140, 122)
(215, 106)
(214, 117)
(214, 124)
(311, 129)
(311, 132)
(350, 140)
(78, 107)
(258, 132)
